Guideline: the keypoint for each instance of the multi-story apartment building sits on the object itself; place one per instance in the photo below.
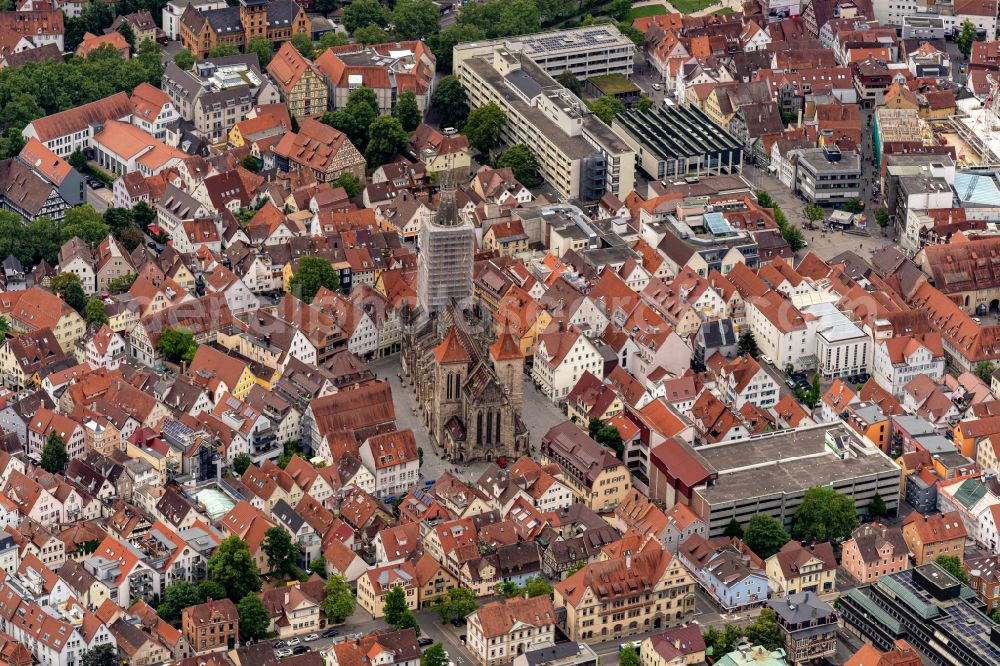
(202, 29)
(213, 626)
(593, 473)
(808, 625)
(578, 155)
(392, 458)
(984, 579)
(875, 550)
(502, 629)
(930, 537)
(625, 594)
(898, 360)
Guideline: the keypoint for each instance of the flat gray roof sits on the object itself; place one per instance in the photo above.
(786, 462)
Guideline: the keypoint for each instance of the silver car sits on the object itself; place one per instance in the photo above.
(283, 652)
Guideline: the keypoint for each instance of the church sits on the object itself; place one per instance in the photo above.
(469, 393)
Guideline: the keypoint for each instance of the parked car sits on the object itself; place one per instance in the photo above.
(657, 86)
(463, 638)
(330, 633)
(311, 637)
(292, 641)
(302, 649)
(283, 652)
(278, 644)
(457, 622)
(424, 641)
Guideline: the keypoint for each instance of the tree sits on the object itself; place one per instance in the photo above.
(232, 567)
(252, 164)
(263, 48)
(606, 108)
(58, 283)
(952, 565)
(521, 159)
(119, 219)
(254, 618)
(985, 370)
(733, 529)
(174, 343)
(74, 296)
(628, 656)
(11, 143)
(450, 101)
(724, 641)
(575, 567)
(882, 217)
(458, 602)
(318, 566)
(764, 199)
(350, 182)
(549, 10)
(434, 656)
(764, 535)
(644, 103)
(793, 236)
(122, 283)
(22, 108)
(84, 223)
(824, 515)
(211, 591)
(966, 37)
(484, 126)
(407, 111)
(854, 205)
(176, 597)
(223, 50)
(394, 605)
(312, 274)
(126, 31)
(78, 160)
(280, 550)
(569, 81)
(765, 631)
(415, 19)
(94, 312)
(443, 42)
(241, 462)
(747, 344)
(143, 215)
(619, 9)
(356, 117)
(330, 39)
(364, 12)
(386, 137)
(537, 586)
(303, 44)
(185, 59)
(338, 599)
(371, 34)
(877, 506)
(606, 435)
(517, 17)
(54, 457)
(814, 212)
(407, 621)
(102, 655)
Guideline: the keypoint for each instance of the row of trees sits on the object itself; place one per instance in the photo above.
(823, 515)
(791, 233)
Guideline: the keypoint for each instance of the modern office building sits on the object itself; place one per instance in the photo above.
(578, 154)
(771, 473)
(589, 51)
(677, 141)
(930, 609)
(828, 175)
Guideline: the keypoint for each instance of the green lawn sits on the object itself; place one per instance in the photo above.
(646, 10)
(691, 6)
(724, 10)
